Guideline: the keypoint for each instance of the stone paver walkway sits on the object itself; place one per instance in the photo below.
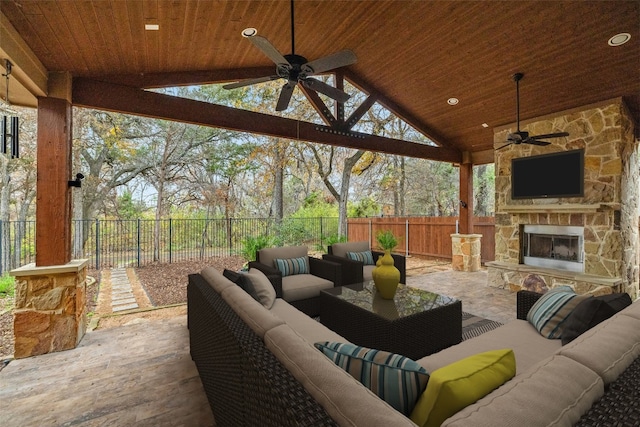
(121, 292)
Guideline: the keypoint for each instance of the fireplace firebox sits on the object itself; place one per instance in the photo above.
(553, 246)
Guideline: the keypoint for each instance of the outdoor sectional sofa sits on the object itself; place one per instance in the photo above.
(259, 366)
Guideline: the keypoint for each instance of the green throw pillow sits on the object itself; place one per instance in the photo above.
(458, 385)
(291, 266)
(396, 379)
(549, 314)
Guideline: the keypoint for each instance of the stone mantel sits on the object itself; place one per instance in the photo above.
(560, 208)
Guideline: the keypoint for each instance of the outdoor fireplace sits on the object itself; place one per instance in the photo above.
(553, 246)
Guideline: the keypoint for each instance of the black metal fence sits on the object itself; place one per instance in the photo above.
(127, 243)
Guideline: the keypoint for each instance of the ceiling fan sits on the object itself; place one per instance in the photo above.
(296, 69)
(522, 137)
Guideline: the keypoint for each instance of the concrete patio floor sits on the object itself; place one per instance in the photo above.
(142, 374)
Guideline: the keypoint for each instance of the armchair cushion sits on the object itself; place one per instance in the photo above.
(292, 266)
(366, 257)
(303, 286)
(267, 256)
(341, 249)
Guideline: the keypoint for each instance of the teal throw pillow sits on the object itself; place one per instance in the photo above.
(396, 379)
(550, 313)
(365, 257)
(291, 266)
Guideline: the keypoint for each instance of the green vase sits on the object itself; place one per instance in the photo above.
(386, 276)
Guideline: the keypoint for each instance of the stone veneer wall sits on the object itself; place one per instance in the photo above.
(50, 310)
(608, 210)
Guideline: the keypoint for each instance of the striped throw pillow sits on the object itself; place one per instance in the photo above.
(365, 257)
(396, 379)
(549, 313)
(291, 266)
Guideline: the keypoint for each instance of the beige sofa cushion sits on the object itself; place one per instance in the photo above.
(608, 348)
(525, 341)
(633, 310)
(555, 392)
(304, 325)
(341, 249)
(254, 314)
(303, 286)
(216, 280)
(268, 255)
(347, 401)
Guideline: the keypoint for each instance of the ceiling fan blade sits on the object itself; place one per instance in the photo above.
(248, 82)
(330, 62)
(268, 49)
(551, 135)
(536, 142)
(285, 96)
(322, 87)
(504, 146)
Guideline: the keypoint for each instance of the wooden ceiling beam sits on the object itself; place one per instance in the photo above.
(394, 107)
(186, 78)
(125, 99)
(318, 104)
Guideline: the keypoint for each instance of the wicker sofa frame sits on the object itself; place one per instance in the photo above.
(247, 385)
(244, 382)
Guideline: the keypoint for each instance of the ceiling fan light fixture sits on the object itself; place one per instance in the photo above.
(484, 125)
(453, 101)
(249, 32)
(619, 39)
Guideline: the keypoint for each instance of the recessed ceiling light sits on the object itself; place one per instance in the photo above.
(452, 101)
(151, 27)
(484, 125)
(249, 32)
(619, 39)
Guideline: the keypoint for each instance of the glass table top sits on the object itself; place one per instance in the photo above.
(407, 301)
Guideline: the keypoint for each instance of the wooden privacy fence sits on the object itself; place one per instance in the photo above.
(426, 236)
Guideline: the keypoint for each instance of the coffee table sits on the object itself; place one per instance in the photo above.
(415, 323)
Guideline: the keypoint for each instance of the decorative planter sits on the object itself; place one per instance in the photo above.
(386, 276)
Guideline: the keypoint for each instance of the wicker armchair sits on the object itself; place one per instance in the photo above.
(300, 290)
(356, 271)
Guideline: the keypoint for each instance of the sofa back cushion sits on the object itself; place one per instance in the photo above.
(216, 279)
(347, 401)
(341, 249)
(267, 256)
(555, 392)
(253, 313)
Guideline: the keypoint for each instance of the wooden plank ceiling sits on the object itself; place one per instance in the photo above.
(413, 55)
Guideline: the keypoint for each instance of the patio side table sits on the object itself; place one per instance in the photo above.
(415, 323)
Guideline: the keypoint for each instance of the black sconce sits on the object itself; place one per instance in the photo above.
(463, 204)
(76, 182)
(9, 137)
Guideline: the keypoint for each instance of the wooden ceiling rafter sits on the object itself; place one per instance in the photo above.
(129, 100)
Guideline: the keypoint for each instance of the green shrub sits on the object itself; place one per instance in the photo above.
(251, 245)
(7, 285)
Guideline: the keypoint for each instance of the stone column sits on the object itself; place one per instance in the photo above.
(50, 307)
(465, 250)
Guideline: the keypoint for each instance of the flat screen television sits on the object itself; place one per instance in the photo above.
(548, 175)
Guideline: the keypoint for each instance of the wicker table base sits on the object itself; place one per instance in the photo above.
(415, 323)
